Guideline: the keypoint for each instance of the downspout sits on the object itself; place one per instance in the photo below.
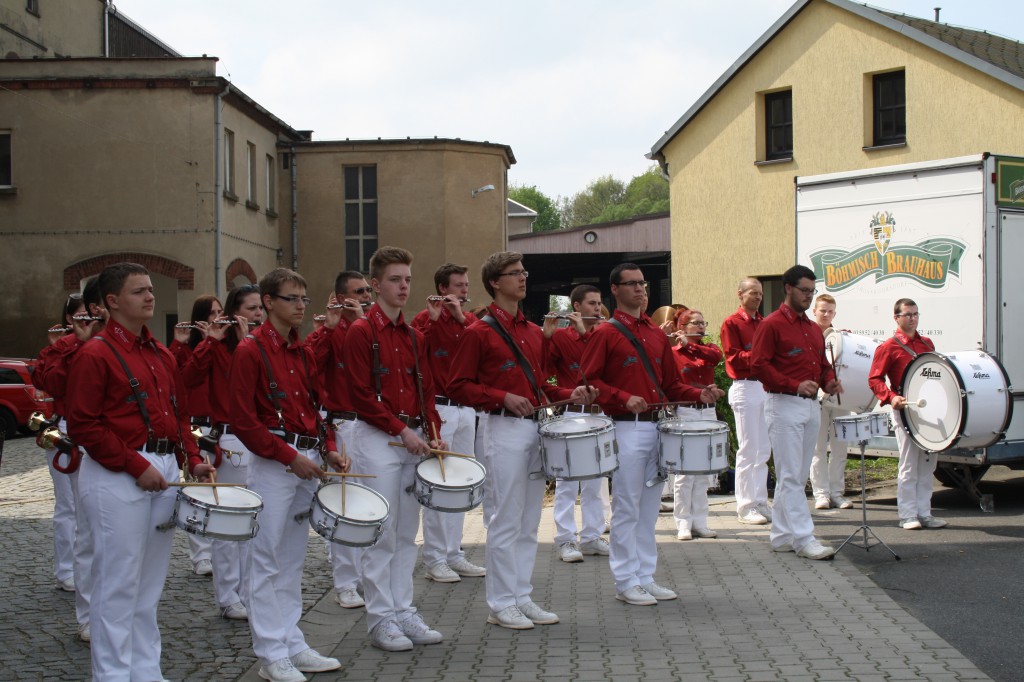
(218, 186)
(295, 209)
(106, 28)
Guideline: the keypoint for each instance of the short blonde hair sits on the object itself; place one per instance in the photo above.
(824, 298)
(385, 256)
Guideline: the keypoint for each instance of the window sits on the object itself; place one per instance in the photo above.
(229, 164)
(32, 6)
(6, 174)
(778, 125)
(271, 185)
(10, 376)
(360, 216)
(250, 174)
(890, 108)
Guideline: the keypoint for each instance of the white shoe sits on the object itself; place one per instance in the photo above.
(466, 569)
(704, 533)
(281, 670)
(84, 633)
(310, 661)
(660, 593)
(822, 502)
(205, 567)
(417, 631)
(66, 585)
(684, 535)
(510, 617)
(536, 614)
(389, 637)
(765, 510)
(637, 596)
(235, 611)
(596, 547)
(442, 573)
(570, 553)
(932, 522)
(816, 551)
(840, 502)
(786, 547)
(910, 524)
(753, 518)
(349, 598)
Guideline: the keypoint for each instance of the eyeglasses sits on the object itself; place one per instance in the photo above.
(805, 291)
(361, 290)
(697, 324)
(515, 273)
(294, 300)
(909, 316)
(634, 283)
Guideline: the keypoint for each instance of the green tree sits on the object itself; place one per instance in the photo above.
(548, 217)
(607, 199)
(584, 207)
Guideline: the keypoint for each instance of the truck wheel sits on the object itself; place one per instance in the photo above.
(945, 477)
(7, 423)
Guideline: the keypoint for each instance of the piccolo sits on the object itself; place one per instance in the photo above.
(319, 318)
(251, 323)
(565, 316)
(335, 306)
(83, 317)
(58, 329)
(445, 298)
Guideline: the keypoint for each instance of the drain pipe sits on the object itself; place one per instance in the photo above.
(295, 209)
(106, 28)
(218, 186)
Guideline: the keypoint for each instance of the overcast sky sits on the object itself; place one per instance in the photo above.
(577, 88)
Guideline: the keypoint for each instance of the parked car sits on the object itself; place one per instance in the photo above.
(18, 397)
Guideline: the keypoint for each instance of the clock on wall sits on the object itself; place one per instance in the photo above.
(590, 237)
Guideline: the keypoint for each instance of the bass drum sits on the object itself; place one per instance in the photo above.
(956, 400)
(853, 355)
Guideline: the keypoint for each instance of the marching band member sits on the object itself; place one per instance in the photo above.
(696, 360)
(389, 378)
(274, 414)
(788, 357)
(629, 360)
(498, 370)
(566, 348)
(123, 407)
(443, 323)
(916, 467)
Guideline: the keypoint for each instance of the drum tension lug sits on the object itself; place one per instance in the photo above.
(301, 516)
(166, 526)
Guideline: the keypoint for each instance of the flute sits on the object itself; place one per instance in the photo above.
(445, 298)
(565, 316)
(84, 317)
(58, 329)
(335, 306)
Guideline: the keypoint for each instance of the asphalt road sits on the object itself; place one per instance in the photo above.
(963, 581)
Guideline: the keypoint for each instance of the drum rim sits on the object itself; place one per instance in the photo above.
(316, 501)
(609, 425)
(203, 504)
(683, 420)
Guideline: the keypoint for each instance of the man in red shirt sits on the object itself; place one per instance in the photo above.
(389, 378)
(629, 360)
(132, 427)
(443, 322)
(914, 483)
(788, 357)
(566, 348)
(274, 414)
(746, 397)
(498, 369)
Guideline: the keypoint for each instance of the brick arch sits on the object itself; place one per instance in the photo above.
(237, 267)
(76, 272)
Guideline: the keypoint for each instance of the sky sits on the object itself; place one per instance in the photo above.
(577, 88)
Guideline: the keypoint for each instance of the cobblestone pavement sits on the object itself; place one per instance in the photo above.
(744, 613)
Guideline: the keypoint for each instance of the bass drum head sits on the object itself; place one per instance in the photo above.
(933, 378)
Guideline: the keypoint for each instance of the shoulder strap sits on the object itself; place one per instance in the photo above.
(524, 364)
(904, 346)
(274, 394)
(419, 383)
(376, 370)
(642, 354)
(138, 396)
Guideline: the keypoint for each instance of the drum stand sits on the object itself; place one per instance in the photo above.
(865, 528)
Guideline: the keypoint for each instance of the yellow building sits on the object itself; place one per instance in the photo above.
(831, 86)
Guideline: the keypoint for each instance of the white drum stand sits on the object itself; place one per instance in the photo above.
(866, 544)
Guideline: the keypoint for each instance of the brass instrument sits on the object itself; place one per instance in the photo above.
(51, 437)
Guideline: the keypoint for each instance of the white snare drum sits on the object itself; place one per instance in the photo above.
(579, 447)
(359, 524)
(879, 423)
(460, 489)
(854, 427)
(966, 400)
(234, 518)
(693, 447)
(853, 355)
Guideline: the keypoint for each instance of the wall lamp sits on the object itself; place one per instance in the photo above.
(485, 188)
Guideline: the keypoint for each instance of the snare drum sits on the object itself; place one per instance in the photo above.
(693, 447)
(853, 356)
(854, 427)
(359, 524)
(879, 423)
(234, 518)
(459, 490)
(578, 448)
(966, 396)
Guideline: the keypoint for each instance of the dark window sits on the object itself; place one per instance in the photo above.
(32, 6)
(6, 176)
(778, 125)
(10, 376)
(890, 107)
(360, 216)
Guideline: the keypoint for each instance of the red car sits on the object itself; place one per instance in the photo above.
(18, 397)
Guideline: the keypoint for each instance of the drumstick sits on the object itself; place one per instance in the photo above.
(198, 484)
(213, 478)
(559, 403)
(343, 486)
(917, 403)
(440, 457)
(446, 453)
(832, 352)
(339, 474)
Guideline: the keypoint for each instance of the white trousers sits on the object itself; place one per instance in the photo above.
(83, 552)
(278, 553)
(231, 559)
(914, 478)
(690, 491)
(63, 519)
(442, 531)
(747, 400)
(793, 429)
(828, 469)
(346, 562)
(635, 506)
(128, 569)
(591, 509)
(513, 453)
(487, 503)
(388, 565)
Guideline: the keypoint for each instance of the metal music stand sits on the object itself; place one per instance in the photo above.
(864, 527)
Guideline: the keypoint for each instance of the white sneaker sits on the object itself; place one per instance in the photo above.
(466, 569)
(205, 567)
(310, 661)
(684, 535)
(785, 547)
(816, 551)
(349, 598)
(537, 615)
(822, 502)
(417, 631)
(84, 633)
(910, 524)
(765, 510)
(67, 585)
(510, 617)
(932, 522)
(235, 611)
(389, 637)
(596, 547)
(637, 596)
(840, 502)
(660, 593)
(704, 533)
(570, 553)
(442, 573)
(281, 670)
(753, 518)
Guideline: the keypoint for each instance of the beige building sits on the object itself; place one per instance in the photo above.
(831, 86)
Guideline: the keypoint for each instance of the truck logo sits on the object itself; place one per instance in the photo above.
(930, 373)
(882, 226)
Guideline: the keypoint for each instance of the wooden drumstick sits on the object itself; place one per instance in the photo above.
(213, 479)
(440, 457)
(197, 484)
(446, 453)
(832, 354)
(339, 474)
(343, 486)
(559, 403)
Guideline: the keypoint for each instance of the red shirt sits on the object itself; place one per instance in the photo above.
(737, 340)
(209, 369)
(399, 393)
(443, 336)
(102, 414)
(611, 364)
(328, 345)
(198, 393)
(891, 362)
(789, 349)
(485, 370)
(252, 412)
(565, 353)
(697, 361)
(51, 372)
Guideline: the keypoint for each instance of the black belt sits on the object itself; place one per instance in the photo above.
(343, 416)
(159, 446)
(506, 413)
(298, 441)
(583, 409)
(649, 416)
(795, 395)
(411, 422)
(445, 400)
(201, 421)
